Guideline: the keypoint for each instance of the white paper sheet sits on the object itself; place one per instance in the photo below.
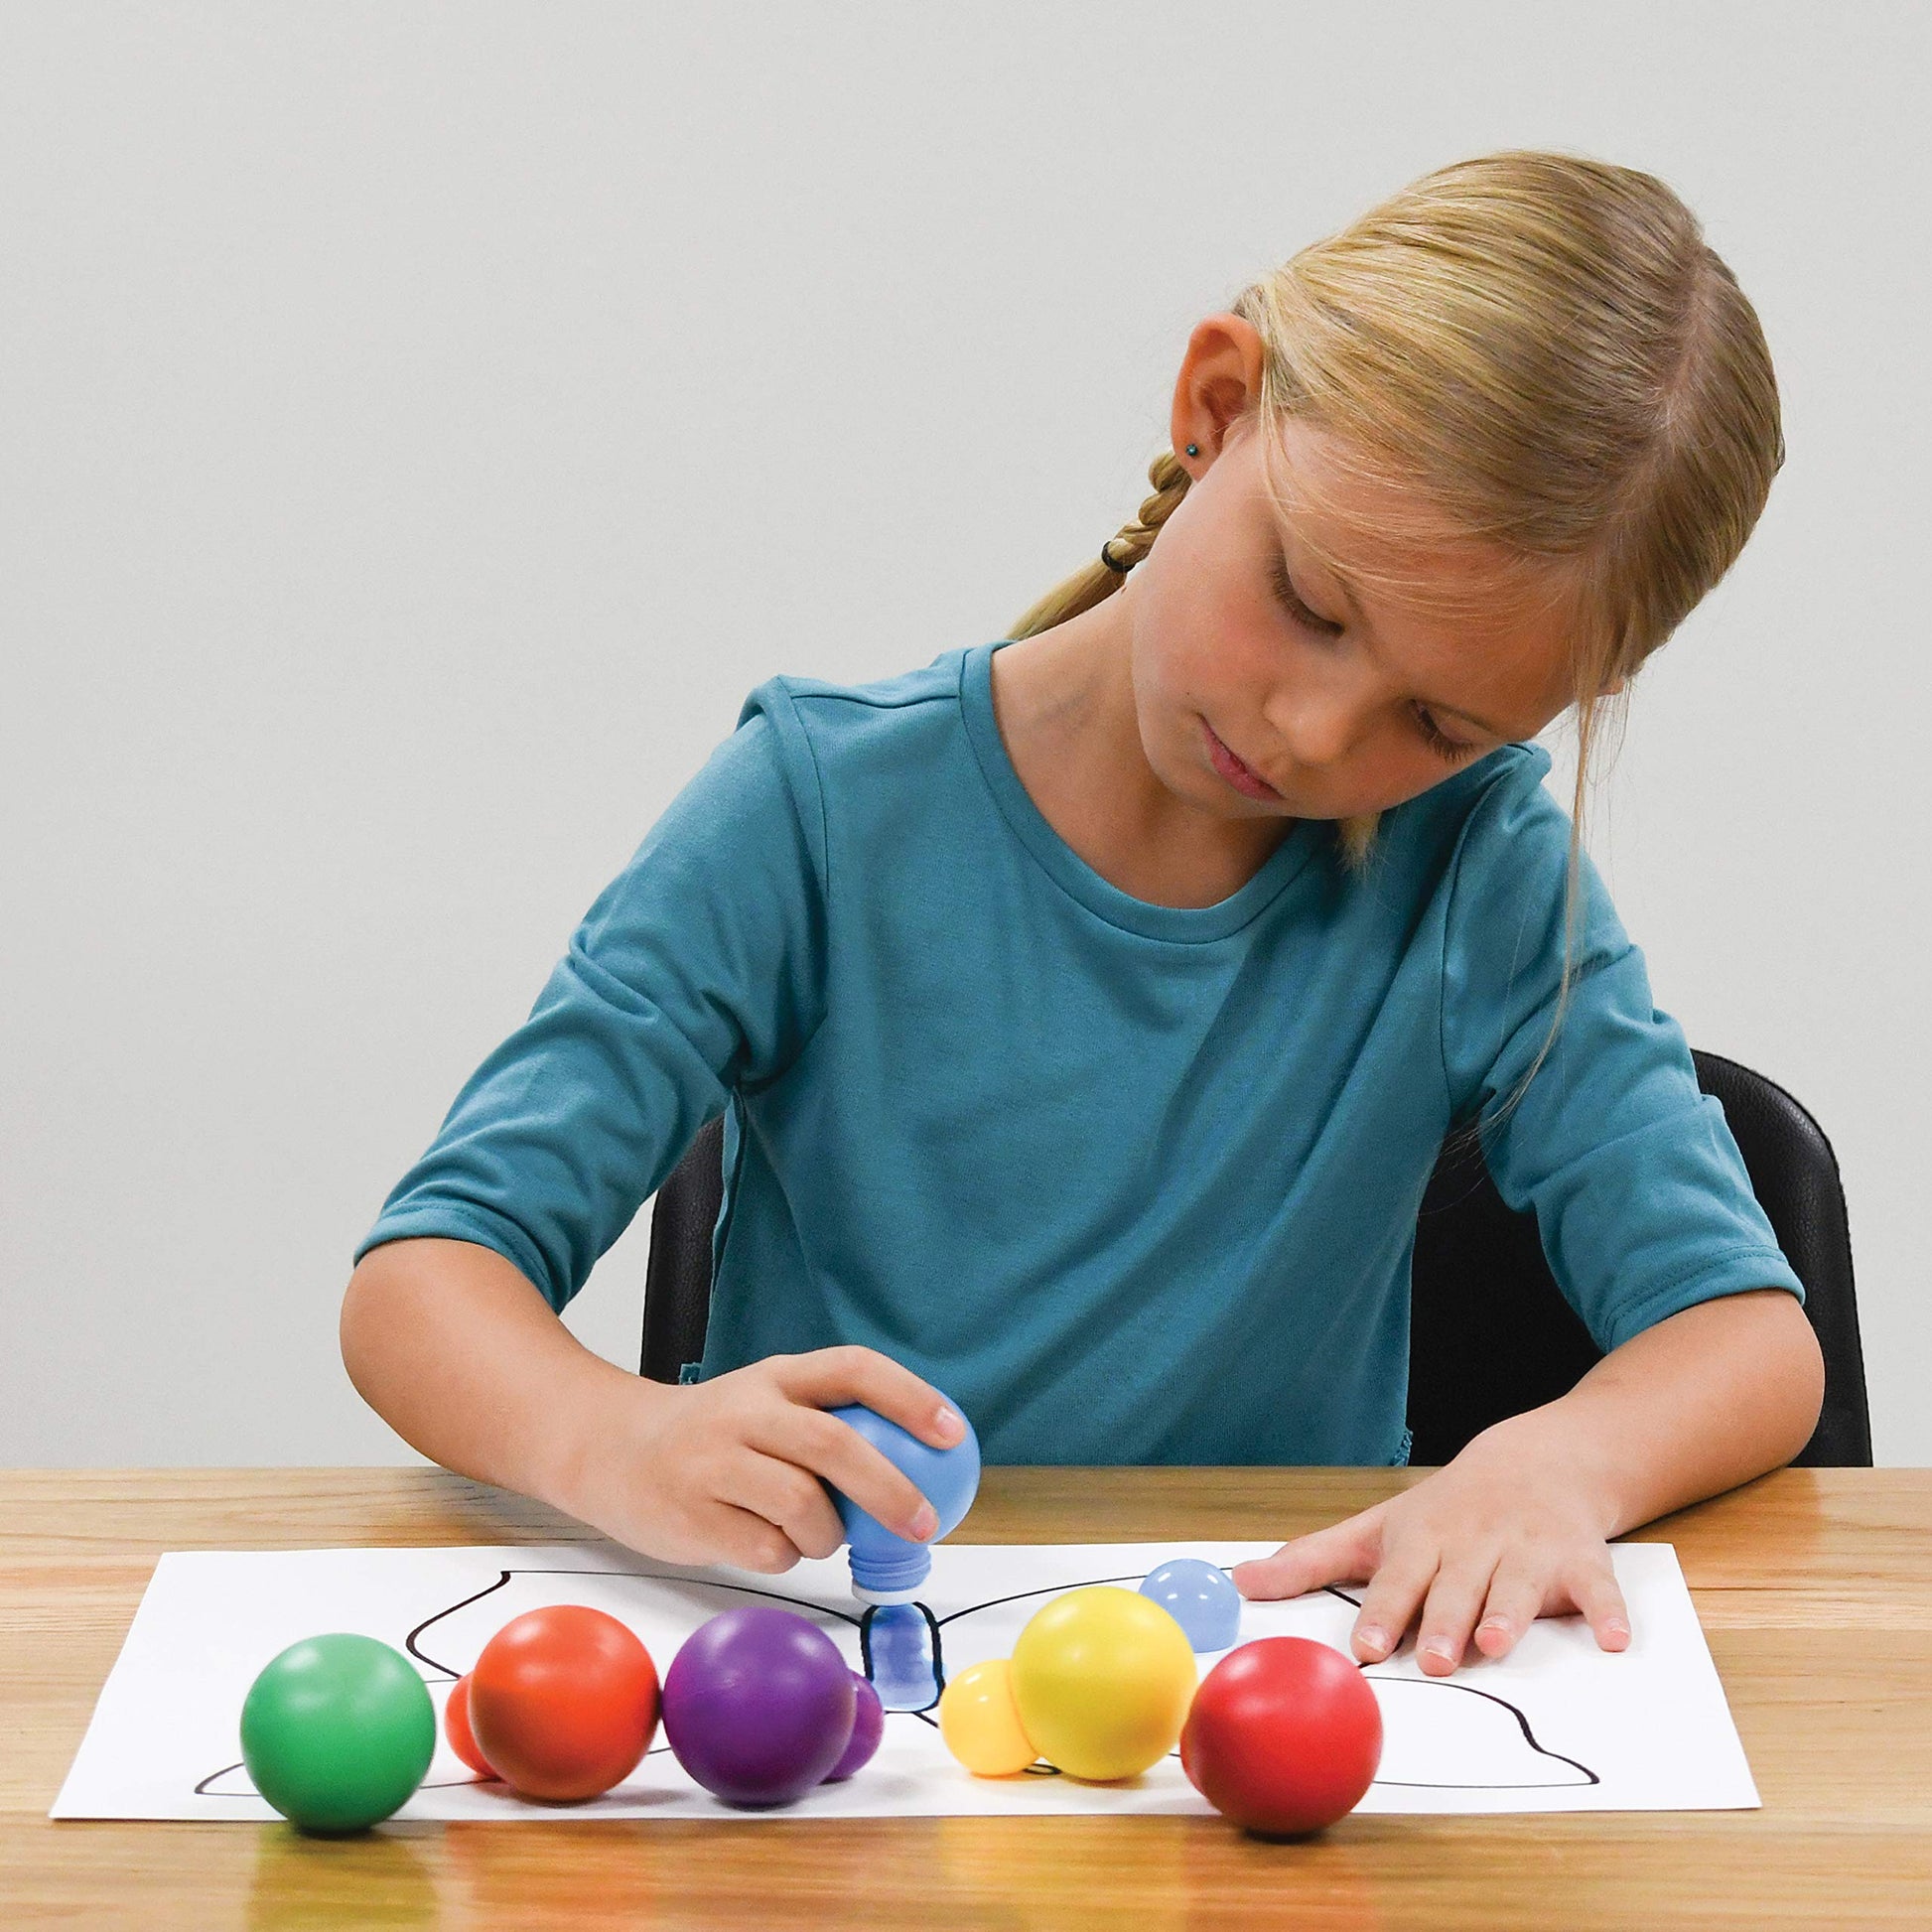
(1557, 1725)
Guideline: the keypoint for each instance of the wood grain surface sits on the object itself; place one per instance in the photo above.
(1815, 1587)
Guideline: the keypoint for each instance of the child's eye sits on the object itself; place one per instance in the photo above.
(1451, 748)
(1453, 751)
(1300, 611)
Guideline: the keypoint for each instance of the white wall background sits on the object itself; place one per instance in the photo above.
(420, 426)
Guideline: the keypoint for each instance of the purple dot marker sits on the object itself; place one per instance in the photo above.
(758, 1706)
(867, 1728)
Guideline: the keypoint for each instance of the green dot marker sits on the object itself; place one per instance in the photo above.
(338, 1731)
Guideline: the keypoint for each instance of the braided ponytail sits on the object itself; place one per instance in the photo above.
(1098, 581)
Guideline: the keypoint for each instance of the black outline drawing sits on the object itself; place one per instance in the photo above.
(443, 1674)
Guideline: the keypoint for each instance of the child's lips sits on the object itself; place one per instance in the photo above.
(1241, 777)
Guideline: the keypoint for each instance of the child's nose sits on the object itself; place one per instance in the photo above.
(1320, 727)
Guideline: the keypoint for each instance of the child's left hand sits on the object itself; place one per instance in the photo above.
(1484, 1546)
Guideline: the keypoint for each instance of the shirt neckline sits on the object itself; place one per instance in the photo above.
(1072, 873)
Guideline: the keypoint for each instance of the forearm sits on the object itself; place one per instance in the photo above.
(1705, 1399)
(456, 1350)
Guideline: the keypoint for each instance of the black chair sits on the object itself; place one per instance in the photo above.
(1491, 1335)
(1490, 1332)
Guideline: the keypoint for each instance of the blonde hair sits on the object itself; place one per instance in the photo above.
(1538, 354)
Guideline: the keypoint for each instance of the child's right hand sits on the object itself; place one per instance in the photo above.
(729, 1470)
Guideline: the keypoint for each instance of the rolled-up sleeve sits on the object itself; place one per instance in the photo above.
(698, 970)
(1641, 1197)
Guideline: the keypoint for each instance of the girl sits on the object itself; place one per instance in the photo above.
(1087, 1009)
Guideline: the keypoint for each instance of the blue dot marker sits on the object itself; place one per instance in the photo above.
(1200, 1598)
(887, 1569)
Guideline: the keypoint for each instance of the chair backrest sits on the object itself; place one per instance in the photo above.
(1490, 1334)
(677, 1277)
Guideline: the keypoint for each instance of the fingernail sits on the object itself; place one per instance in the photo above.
(1372, 1638)
(1617, 1630)
(948, 1423)
(1437, 1647)
(925, 1519)
(1500, 1624)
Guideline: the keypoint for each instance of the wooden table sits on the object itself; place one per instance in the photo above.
(1815, 1587)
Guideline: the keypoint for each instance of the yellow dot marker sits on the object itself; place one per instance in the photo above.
(979, 1722)
(1103, 1679)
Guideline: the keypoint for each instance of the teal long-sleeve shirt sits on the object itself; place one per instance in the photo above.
(1133, 1184)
